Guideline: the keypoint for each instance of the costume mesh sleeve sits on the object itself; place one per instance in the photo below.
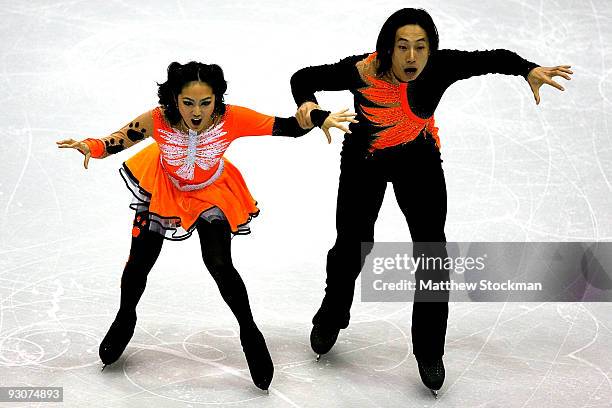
(130, 134)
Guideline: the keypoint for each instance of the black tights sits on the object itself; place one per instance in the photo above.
(215, 242)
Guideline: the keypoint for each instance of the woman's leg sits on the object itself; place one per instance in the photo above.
(215, 241)
(145, 249)
(146, 246)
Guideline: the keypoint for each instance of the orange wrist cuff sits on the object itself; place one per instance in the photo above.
(96, 147)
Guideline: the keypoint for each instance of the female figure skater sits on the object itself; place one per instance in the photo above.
(181, 183)
(396, 90)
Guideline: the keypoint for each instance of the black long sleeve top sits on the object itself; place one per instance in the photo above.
(391, 114)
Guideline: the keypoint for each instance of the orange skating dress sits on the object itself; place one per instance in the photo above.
(183, 175)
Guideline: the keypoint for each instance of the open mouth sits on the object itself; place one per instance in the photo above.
(196, 122)
(410, 70)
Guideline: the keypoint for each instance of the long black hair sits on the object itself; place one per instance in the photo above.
(386, 38)
(180, 75)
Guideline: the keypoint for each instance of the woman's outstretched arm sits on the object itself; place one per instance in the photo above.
(133, 132)
(320, 118)
(247, 122)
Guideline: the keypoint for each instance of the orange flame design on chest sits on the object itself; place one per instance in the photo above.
(391, 111)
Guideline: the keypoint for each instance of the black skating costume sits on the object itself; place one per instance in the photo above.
(395, 141)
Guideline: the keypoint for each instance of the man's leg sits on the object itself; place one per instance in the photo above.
(361, 191)
(422, 198)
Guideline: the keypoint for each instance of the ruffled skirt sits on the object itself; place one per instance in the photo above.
(174, 213)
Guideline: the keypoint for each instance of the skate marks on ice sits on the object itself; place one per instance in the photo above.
(522, 354)
(529, 355)
(544, 178)
(514, 355)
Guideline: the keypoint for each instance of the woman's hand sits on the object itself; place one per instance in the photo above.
(544, 75)
(80, 146)
(303, 114)
(335, 120)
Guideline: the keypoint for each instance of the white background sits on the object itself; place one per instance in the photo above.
(515, 172)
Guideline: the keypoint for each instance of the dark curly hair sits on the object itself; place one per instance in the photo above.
(386, 38)
(180, 75)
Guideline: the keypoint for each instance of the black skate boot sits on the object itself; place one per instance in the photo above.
(432, 374)
(323, 338)
(257, 357)
(117, 338)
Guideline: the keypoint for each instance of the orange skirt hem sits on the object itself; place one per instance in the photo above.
(174, 213)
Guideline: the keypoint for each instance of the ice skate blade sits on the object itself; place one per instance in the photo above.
(103, 367)
(434, 393)
(318, 357)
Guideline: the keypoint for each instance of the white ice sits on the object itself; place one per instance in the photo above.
(515, 172)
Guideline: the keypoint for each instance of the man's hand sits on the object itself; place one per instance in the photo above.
(303, 114)
(544, 75)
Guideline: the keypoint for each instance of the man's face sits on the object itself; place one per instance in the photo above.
(410, 53)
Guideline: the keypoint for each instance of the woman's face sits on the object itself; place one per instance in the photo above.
(410, 53)
(196, 103)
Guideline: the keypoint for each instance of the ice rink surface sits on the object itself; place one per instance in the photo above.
(514, 171)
